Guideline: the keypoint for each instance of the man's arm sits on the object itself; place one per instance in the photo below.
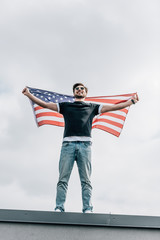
(108, 108)
(50, 105)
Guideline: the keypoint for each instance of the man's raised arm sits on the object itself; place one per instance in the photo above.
(50, 105)
(108, 108)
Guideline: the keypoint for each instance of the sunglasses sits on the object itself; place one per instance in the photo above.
(81, 88)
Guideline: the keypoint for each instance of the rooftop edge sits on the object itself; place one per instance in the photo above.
(84, 219)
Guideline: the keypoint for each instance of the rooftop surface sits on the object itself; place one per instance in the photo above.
(83, 219)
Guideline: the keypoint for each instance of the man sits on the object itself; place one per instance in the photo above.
(76, 146)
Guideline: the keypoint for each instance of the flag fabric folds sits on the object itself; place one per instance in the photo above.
(111, 122)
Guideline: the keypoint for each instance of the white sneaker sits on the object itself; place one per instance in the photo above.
(57, 210)
(88, 211)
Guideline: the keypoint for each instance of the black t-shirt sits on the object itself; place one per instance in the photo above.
(78, 117)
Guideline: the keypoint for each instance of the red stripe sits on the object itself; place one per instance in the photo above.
(122, 95)
(113, 115)
(124, 110)
(110, 130)
(110, 101)
(50, 122)
(53, 114)
(116, 124)
(38, 108)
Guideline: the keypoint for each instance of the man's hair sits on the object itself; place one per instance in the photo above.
(79, 84)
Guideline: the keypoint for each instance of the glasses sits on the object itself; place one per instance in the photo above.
(81, 88)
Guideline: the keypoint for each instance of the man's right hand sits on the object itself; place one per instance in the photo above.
(25, 91)
(49, 105)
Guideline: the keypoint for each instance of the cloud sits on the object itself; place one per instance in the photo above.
(111, 46)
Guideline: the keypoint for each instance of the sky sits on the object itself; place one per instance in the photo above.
(113, 47)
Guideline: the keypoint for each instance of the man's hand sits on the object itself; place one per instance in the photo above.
(119, 106)
(25, 91)
(135, 98)
(49, 105)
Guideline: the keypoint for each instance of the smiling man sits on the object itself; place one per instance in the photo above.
(76, 146)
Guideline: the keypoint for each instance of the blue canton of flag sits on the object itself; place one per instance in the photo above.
(48, 96)
(46, 116)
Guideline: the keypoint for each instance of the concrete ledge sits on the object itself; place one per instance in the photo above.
(67, 218)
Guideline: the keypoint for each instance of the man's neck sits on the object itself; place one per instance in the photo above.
(79, 99)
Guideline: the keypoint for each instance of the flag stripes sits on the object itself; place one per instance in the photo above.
(111, 122)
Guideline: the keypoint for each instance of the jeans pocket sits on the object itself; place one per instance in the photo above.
(65, 144)
(87, 144)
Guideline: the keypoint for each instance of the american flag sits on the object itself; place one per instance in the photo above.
(111, 122)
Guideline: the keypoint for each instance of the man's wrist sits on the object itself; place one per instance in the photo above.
(132, 100)
(28, 94)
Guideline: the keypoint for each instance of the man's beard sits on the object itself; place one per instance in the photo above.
(79, 96)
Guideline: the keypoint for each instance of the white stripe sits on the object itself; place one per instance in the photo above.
(109, 126)
(119, 113)
(115, 98)
(50, 118)
(35, 105)
(101, 103)
(43, 111)
(97, 100)
(110, 118)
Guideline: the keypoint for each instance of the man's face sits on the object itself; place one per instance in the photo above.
(80, 92)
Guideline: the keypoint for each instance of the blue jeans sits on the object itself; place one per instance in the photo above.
(81, 153)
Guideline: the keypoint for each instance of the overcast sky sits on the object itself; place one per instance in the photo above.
(112, 46)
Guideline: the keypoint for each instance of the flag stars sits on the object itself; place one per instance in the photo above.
(51, 96)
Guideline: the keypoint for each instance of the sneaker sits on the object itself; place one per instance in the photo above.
(88, 211)
(57, 210)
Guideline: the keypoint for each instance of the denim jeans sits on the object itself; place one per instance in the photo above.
(81, 153)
